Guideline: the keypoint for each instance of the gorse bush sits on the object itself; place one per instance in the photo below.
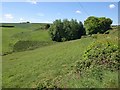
(66, 30)
(99, 59)
(94, 25)
(102, 53)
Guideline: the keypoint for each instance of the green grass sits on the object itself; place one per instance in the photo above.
(51, 65)
(41, 64)
(0, 72)
(6, 35)
(29, 26)
(22, 32)
(0, 40)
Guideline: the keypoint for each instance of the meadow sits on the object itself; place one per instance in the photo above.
(30, 59)
(22, 32)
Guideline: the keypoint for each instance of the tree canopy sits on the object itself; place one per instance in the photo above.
(95, 25)
(66, 30)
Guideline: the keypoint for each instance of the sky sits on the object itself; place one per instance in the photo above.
(47, 12)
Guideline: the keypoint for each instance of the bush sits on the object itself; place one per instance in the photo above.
(100, 58)
(103, 53)
(47, 26)
(94, 25)
(66, 30)
(27, 22)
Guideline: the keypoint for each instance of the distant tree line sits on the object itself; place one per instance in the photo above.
(65, 30)
(7, 26)
(25, 22)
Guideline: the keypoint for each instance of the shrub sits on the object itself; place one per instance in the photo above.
(93, 25)
(103, 53)
(66, 30)
(27, 22)
(47, 26)
(100, 58)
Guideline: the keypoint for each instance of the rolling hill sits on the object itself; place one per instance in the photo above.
(50, 65)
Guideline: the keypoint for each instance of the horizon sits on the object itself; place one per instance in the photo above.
(47, 12)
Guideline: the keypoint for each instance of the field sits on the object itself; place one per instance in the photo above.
(23, 32)
(45, 63)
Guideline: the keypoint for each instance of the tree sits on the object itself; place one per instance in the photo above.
(66, 30)
(105, 24)
(55, 30)
(47, 26)
(95, 25)
(27, 22)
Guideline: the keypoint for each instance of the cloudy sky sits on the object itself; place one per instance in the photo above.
(47, 12)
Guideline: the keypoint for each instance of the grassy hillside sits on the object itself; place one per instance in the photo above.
(23, 32)
(0, 40)
(42, 64)
(51, 65)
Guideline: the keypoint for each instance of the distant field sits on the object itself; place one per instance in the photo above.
(51, 65)
(23, 32)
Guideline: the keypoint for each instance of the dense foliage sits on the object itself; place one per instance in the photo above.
(47, 26)
(94, 25)
(100, 59)
(66, 30)
(102, 52)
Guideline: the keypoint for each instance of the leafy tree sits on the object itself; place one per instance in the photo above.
(47, 26)
(66, 30)
(55, 30)
(95, 25)
(27, 22)
(105, 24)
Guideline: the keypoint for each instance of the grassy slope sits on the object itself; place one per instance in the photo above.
(0, 72)
(12, 35)
(0, 40)
(45, 65)
(28, 69)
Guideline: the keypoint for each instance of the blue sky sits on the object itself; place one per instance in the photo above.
(47, 12)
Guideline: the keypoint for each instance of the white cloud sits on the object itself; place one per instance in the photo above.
(111, 6)
(8, 16)
(78, 11)
(32, 1)
(21, 19)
